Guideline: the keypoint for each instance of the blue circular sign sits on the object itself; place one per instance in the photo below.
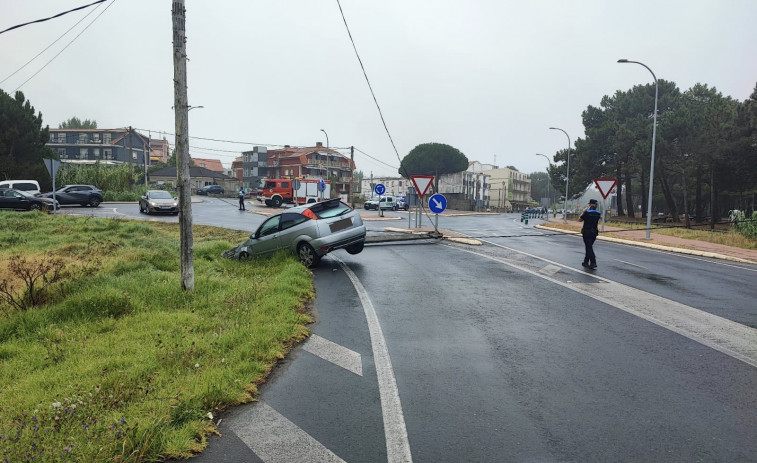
(437, 203)
(380, 189)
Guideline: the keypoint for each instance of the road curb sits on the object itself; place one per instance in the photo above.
(659, 247)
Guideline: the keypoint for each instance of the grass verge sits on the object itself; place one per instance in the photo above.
(727, 238)
(107, 359)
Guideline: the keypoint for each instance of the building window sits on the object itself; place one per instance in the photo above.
(96, 152)
(83, 153)
(61, 138)
(62, 153)
(107, 154)
(82, 138)
(106, 138)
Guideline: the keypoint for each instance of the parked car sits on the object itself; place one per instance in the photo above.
(310, 231)
(158, 201)
(19, 200)
(29, 186)
(402, 204)
(83, 195)
(210, 190)
(383, 202)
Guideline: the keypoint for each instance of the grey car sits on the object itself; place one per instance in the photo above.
(310, 231)
(158, 201)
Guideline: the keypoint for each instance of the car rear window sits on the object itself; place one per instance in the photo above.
(332, 208)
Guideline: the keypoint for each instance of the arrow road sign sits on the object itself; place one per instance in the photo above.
(437, 203)
(605, 186)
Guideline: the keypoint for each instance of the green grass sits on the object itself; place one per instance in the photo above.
(722, 235)
(120, 364)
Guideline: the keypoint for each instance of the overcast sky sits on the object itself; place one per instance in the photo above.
(488, 77)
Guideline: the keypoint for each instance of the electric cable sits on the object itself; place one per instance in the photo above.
(381, 114)
(52, 17)
(69, 43)
(54, 42)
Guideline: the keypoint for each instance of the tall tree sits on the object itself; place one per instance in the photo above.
(76, 123)
(433, 159)
(22, 141)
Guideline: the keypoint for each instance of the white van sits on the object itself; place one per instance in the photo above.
(29, 186)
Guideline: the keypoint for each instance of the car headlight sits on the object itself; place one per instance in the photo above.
(152, 204)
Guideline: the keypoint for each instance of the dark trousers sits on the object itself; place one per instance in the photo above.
(589, 238)
(241, 204)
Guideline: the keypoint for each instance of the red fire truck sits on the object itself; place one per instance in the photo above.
(276, 191)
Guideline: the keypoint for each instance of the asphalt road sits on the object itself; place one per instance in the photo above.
(510, 351)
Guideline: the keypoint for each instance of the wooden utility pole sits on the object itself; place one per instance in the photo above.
(131, 155)
(352, 175)
(181, 114)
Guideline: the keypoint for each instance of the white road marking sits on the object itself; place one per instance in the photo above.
(275, 439)
(550, 269)
(731, 338)
(628, 263)
(334, 353)
(395, 431)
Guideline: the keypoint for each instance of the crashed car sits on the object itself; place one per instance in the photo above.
(310, 231)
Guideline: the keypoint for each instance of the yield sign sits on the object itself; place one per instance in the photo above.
(421, 183)
(605, 186)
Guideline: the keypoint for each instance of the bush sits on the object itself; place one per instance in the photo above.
(746, 227)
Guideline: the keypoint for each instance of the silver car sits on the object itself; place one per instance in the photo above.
(311, 231)
(158, 201)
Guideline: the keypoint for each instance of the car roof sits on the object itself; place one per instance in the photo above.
(308, 206)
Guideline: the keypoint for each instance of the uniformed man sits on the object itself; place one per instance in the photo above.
(241, 199)
(590, 217)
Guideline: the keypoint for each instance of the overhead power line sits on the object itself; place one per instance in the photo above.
(381, 114)
(52, 17)
(54, 42)
(67, 45)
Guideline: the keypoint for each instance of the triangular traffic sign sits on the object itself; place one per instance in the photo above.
(421, 183)
(605, 186)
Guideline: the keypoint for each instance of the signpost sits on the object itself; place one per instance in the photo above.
(52, 168)
(605, 187)
(380, 189)
(421, 184)
(437, 204)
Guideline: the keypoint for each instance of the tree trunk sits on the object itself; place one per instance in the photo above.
(685, 201)
(698, 207)
(618, 188)
(643, 195)
(669, 199)
(630, 211)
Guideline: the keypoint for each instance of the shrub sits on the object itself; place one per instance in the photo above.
(746, 227)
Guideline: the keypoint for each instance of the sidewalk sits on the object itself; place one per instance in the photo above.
(664, 242)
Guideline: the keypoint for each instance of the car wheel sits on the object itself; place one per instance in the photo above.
(95, 201)
(276, 202)
(307, 255)
(35, 207)
(356, 248)
(244, 255)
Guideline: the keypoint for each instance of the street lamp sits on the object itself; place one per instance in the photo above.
(548, 181)
(654, 136)
(327, 138)
(567, 176)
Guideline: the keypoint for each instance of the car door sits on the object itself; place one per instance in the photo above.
(5, 201)
(266, 240)
(293, 225)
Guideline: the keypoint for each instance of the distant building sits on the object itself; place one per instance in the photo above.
(107, 146)
(160, 150)
(510, 189)
(199, 177)
(210, 164)
(395, 186)
(307, 162)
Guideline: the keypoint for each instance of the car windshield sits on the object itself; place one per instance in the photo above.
(160, 195)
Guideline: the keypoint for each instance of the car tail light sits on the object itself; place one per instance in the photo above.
(309, 214)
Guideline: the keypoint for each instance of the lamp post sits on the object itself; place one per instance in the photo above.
(567, 176)
(327, 138)
(654, 137)
(548, 182)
